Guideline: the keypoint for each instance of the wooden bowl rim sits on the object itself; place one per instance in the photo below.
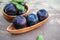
(8, 28)
(21, 15)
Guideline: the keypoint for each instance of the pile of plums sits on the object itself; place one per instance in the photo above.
(16, 7)
(29, 20)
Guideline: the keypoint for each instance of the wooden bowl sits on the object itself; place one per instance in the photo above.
(10, 18)
(12, 30)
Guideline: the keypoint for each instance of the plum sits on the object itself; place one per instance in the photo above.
(10, 9)
(31, 19)
(42, 14)
(19, 22)
(21, 12)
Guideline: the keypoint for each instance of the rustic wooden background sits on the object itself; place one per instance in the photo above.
(50, 30)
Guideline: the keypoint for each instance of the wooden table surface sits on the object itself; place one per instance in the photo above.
(50, 30)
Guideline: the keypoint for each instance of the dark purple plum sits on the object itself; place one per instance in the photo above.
(32, 19)
(19, 22)
(21, 12)
(10, 9)
(42, 14)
